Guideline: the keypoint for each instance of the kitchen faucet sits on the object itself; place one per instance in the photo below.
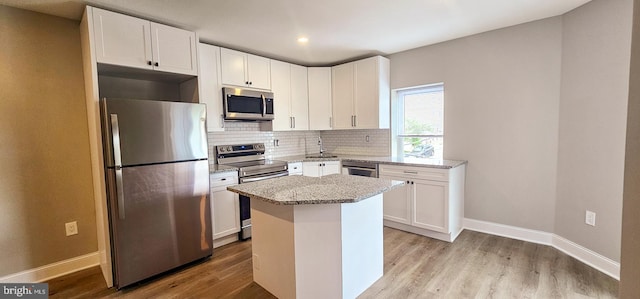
(320, 144)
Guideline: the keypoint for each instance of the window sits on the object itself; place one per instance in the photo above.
(418, 122)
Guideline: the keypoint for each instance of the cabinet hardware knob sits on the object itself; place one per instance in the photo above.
(250, 83)
(246, 82)
(157, 64)
(149, 62)
(223, 179)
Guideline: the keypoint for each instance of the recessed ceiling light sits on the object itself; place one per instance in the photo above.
(303, 40)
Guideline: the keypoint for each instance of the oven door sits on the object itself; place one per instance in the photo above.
(245, 203)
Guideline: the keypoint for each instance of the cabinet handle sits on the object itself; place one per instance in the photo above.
(223, 179)
(290, 122)
(156, 64)
(294, 122)
(149, 62)
(355, 120)
(246, 82)
(408, 182)
(412, 182)
(411, 172)
(330, 122)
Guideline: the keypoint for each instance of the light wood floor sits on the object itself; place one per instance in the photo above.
(476, 265)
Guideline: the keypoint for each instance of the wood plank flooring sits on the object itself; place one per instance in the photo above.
(476, 265)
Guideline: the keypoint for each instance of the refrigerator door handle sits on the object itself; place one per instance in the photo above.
(117, 159)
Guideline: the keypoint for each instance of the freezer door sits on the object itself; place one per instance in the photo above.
(163, 221)
(154, 131)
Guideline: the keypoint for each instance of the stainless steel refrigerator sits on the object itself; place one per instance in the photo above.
(157, 178)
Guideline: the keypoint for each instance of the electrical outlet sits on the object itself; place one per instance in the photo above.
(71, 228)
(590, 218)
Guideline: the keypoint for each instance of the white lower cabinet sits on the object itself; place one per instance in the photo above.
(295, 168)
(431, 202)
(320, 168)
(225, 208)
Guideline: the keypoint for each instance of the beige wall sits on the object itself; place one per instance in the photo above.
(539, 110)
(593, 109)
(630, 259)
(44, 146)
(501, 114)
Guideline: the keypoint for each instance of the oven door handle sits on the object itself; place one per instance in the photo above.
(360, 168)
(255, 179)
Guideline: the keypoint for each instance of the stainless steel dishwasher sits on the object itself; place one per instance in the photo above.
(360, 168)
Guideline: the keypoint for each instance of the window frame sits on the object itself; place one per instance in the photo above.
(397, 116)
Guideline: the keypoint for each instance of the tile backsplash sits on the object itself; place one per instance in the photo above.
(373, 142)
(290, 143)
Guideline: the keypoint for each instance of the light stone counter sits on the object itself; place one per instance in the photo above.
(299, 190)
(217, 168)
(402, 161)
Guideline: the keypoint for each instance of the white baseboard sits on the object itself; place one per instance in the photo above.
(585, 255)
(513, 232)
(54, 270)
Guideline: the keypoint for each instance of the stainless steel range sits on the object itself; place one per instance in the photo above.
(252, 166)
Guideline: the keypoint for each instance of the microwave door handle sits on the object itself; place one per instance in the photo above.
(264, 105)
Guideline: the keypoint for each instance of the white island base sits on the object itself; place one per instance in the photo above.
(317, 250)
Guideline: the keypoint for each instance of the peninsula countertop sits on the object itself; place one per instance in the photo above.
(391, 160)
(330, 189)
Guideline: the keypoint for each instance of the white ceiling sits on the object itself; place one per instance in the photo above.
(338, 30)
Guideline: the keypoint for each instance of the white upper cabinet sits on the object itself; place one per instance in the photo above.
(281, 88)
(210, 86)
(342, 95)
(361, 94)
(246, 70)
(128, 41)
(291, 98)
(320, 115)
(299, 97)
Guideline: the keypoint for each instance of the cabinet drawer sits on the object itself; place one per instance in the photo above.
(433, 174)
(295, 168)
(223, 179)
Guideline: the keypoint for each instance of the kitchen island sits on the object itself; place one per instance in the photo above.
(317, 237)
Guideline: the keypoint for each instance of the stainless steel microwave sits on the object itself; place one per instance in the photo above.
(244, 104)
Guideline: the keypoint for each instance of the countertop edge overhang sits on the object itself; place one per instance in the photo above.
(429, 163)
(302, 190)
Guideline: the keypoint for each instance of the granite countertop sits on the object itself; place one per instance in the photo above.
(430, 163)
(217, 168)
(330, 189)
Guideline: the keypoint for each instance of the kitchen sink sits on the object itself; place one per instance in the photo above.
(320, 156)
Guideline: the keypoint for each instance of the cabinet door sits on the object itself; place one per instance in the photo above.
(233, 65)
(342, 96)
(366, 93)
(299, 97)
(319, 80)
(430, 205)
(311, 169)
(210, 86)
(174, 49)
(226, 213)
(281, 88)
(397, 202)
(122, 40)
(330, 167)
(258, 72)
